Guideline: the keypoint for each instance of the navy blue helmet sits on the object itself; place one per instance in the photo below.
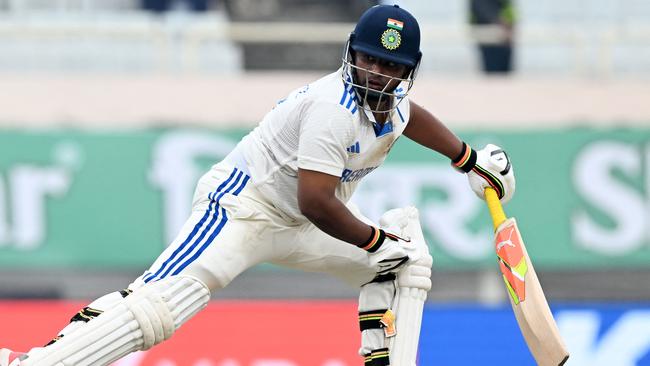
(390, 33)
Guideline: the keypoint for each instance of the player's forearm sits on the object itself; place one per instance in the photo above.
(333, 217)
(437, 138)
(428, 131)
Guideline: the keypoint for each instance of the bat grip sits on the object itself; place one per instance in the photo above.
(494, 205)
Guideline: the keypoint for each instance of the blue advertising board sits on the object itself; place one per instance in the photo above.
(596, 335)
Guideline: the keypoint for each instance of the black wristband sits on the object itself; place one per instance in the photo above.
(376, 239)
(466, 160)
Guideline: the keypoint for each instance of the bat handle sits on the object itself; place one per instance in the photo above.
(494, 205)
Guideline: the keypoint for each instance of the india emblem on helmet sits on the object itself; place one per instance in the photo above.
(391, 39)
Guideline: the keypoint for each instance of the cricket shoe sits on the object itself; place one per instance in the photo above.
(11, 358)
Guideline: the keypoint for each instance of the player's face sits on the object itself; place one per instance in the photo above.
(378, 74)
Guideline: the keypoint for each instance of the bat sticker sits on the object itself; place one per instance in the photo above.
(512, 262)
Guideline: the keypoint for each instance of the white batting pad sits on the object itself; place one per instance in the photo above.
(404, 296)
(413, 284)
(150, 315)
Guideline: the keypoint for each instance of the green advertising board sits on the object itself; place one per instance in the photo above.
(105, 199)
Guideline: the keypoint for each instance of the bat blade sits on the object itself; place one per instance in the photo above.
(527, 297)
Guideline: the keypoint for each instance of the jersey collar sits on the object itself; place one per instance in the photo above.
(380, 130)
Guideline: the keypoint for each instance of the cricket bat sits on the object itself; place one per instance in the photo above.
(526, 295)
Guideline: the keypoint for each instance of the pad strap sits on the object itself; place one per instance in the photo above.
(371, 319)
(54, 340)
(378, 357)
(126, 292)
(86, 314)
(378, 319)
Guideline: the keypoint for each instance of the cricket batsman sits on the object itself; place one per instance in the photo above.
(281, 196)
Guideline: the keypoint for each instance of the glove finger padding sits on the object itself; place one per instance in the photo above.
(493, 169)
(395, 220)
(405, 222)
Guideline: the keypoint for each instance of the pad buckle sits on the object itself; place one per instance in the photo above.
(388, 322)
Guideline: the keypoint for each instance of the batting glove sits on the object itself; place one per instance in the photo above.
(489, 167)
(385, 251)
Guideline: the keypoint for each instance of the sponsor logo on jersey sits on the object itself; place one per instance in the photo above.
(350, 176)
(355, 149)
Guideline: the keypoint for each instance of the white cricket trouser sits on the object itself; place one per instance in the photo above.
(232, 228)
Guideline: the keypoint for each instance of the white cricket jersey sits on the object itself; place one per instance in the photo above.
(317, 127)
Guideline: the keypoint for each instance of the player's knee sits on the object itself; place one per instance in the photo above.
(163, 306)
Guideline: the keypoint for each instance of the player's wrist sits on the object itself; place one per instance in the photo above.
(374, 242)
(466, 160)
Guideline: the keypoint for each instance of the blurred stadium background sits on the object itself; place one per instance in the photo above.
(111, 109)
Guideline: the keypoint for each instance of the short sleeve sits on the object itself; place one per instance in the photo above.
(325, 133)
